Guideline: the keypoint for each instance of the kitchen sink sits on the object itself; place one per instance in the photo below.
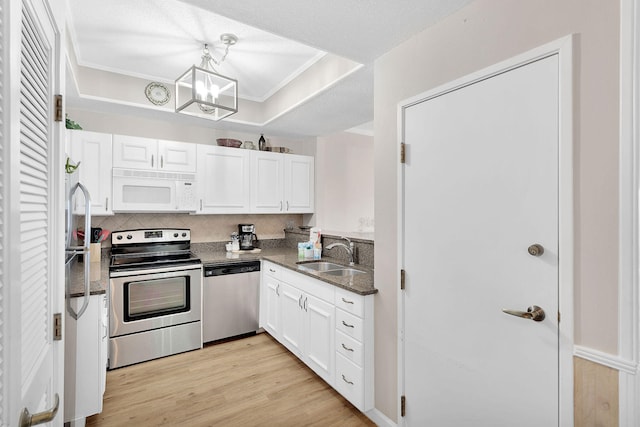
(342, 272)
(321, 266)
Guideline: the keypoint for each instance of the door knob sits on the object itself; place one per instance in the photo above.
(535, 250)
(534, 313)
(27, 419)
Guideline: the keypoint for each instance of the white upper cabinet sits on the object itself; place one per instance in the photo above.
(299, 184)
(223, 180)
(282, 183)
(93, 151)
(152, 154)
(267, 182)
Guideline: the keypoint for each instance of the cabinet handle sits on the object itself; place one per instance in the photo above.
(346, 348)
(347, 325)
(106, 203)
(152, 160)
(305, 304)
(272, 270)
(346, 380)
(287, 206)
(300, 302)
(280, 205)
(161, 162)
(278, 289)
(346, 301)
(200, 204)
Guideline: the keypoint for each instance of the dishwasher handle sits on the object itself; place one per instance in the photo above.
(237, 268)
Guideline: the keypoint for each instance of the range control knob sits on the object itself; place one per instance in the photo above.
(129, 237)
(184, 234)
(175, 234)
(119, 237)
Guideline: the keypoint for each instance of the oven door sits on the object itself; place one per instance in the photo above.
(144, 300)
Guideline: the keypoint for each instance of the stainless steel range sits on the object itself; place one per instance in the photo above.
(155, 294)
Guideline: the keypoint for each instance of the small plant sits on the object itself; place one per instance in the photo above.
(69, 168)
(70, 124)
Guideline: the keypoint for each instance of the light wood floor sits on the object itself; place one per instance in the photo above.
(248, 382)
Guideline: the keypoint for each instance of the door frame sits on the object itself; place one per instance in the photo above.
(562, 47)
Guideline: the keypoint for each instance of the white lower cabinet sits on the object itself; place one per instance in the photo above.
(85, 360)
(328, 328)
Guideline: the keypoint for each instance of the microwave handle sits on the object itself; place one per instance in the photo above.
(80, 249)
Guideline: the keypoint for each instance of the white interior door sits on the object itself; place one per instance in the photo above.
(480, 187)
(31, 163)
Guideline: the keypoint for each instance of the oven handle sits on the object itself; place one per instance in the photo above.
(175, 268)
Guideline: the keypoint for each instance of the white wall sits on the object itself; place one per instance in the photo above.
(481, 34)
(344, 183)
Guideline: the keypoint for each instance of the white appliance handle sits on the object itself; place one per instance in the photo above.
(80, 249)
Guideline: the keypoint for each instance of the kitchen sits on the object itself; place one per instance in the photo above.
(397, 78)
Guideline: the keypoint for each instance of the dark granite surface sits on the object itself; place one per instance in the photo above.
(287, 257)
(214, 254)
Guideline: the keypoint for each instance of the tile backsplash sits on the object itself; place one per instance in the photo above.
(204, 228)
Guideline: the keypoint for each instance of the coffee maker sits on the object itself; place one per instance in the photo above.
(246, 233)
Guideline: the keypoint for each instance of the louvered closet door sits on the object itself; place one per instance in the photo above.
(30, 174)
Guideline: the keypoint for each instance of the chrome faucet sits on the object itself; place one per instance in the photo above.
(350, 249)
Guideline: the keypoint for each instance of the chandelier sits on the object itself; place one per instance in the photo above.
(201, 91)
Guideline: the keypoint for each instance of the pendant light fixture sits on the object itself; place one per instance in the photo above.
(201, 91)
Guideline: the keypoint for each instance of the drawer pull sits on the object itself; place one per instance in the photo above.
(346, 301)
(278, 289)
(346, 348)
(272, 270)
(346, 380)
(347, 325)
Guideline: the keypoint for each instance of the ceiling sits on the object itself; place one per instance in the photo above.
(278, 41)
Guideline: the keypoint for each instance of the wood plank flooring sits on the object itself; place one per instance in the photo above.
(252, 381)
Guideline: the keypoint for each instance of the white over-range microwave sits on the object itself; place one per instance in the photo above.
(153, 191)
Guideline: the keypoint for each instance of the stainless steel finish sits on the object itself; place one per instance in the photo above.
(343, 272)
(535, 250)
(319, 266)
(230, 304)
(350, 249)
(130, 349)
(131, 237)
(129, 273)
(27, 419)
(76, 250)
(117, 324)
(534, 313)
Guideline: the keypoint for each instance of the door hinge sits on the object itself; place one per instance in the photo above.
(558, 317)
(402, 275)
(403, 152)
(58, 108)
(57, 326)
(403, 406)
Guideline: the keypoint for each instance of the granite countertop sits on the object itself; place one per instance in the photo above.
(360, 284)
(99, 275)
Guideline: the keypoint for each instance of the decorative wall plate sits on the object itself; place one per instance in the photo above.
(157, 93)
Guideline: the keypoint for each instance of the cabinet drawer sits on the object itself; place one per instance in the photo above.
(349, 381)
(349, 302)
(349, 324)
(272, 270)
(349, 348)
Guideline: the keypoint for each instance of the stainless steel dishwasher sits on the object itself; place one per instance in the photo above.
(230, 298)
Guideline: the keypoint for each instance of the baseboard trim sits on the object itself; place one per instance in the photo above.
(380, 419)
(606, 359)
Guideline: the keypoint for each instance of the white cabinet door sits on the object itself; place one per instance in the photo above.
(270, 306)
(93, 151)
(134, 152)
(176, 156)
(292, 319)
(319, 332)
(267, 182)
(223, 180)
(85, 364)
(299, 184)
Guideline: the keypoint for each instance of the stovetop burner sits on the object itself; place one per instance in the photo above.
(151, 248)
